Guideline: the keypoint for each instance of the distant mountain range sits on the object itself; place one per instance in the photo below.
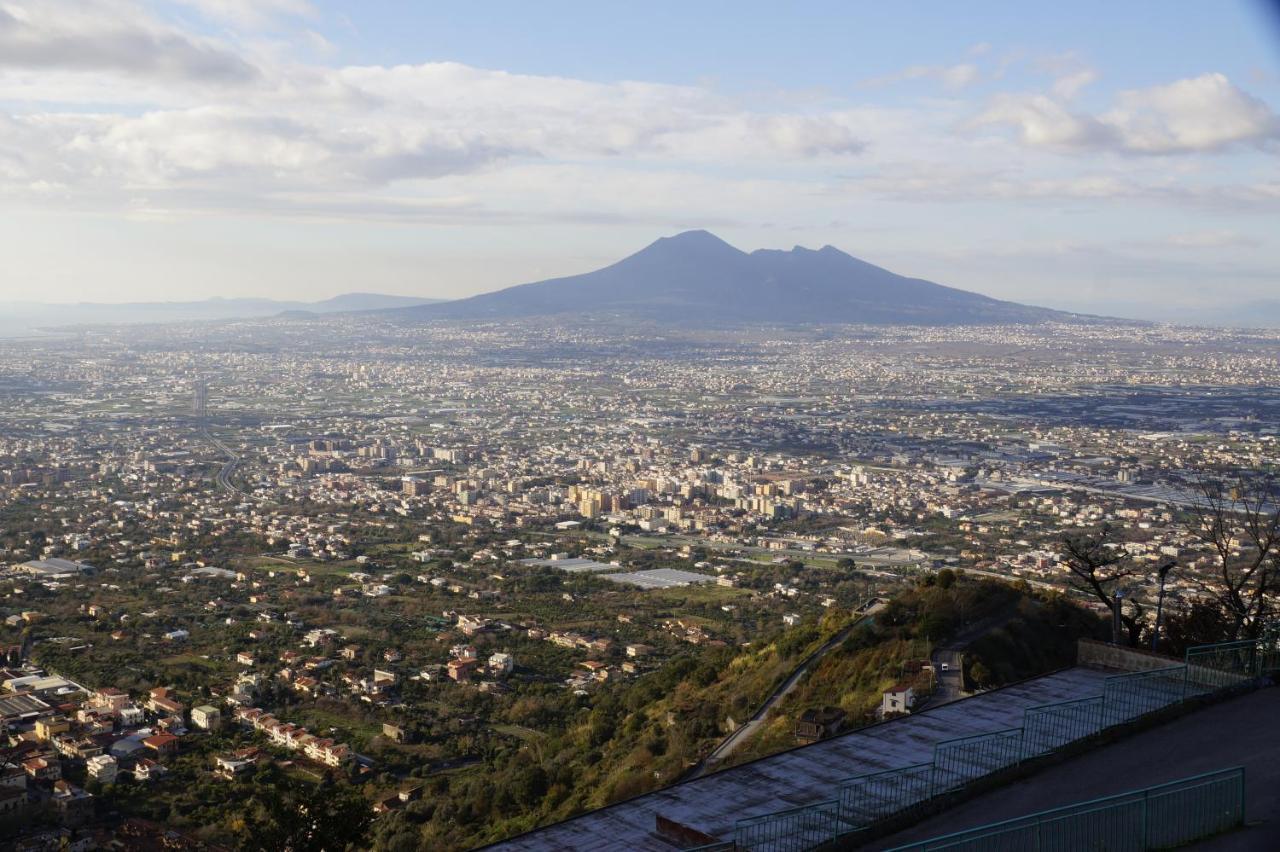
(16, 317)
(696, 278)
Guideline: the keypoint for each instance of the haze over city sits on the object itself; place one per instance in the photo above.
(1084, 158)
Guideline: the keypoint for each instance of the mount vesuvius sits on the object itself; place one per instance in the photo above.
(696, 278)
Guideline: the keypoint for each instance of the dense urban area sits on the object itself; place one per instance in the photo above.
(434, 585)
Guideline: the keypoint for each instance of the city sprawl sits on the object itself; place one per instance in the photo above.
(478, 577)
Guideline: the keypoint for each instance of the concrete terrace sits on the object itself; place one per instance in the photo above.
(802, 776)
(1240, 731)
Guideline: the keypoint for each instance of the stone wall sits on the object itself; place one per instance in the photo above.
(1101, 655)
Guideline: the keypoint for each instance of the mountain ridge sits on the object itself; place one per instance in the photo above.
(696, 278)
(33, 314)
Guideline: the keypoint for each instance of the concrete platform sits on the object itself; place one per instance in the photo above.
(1240, 731)
(802, 776)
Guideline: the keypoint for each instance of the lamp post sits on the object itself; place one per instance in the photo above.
(1163, 571)
(1115, 616)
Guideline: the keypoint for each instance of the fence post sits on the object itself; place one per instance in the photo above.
(1242, 770)
(1146, 807)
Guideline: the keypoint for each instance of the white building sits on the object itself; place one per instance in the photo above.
(899, 699)
(501, 664)
(206, 717)
(102, 768)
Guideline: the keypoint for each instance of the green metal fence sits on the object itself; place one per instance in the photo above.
(1193, 808)
(1225, 664)
(1158, 817)
(864, 799)
(792, 830)
(1049, 727)
(1128, 696)
(959, 761)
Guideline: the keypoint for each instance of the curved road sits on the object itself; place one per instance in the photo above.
(233, 461)
(730, 743)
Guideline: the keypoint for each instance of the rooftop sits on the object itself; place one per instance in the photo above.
(1238, 732)
(714, 803)
(55, 567)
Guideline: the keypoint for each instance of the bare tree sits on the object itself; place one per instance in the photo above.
(1239, 518)
(1099, 568)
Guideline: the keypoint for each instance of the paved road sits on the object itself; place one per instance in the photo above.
(233, 461)
(731, 743)
(949, 684)
(862, 559)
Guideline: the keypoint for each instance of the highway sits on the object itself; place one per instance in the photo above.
(223, 477)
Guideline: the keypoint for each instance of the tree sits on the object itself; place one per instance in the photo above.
(1099, 568)
(1239, 518)
(306, 818)
(1202, 623)
(980, 675)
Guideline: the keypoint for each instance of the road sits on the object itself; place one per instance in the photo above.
(862, 559)
(949, 685)
(233, 461)
(730, 743)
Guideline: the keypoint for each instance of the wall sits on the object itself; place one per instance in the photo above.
(1100, 655)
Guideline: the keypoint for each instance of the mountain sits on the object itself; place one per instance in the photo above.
(21, 316)
(695, 278)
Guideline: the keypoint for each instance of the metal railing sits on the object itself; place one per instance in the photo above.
(1049, 727)
(1157, 817)
(1128, 696)
(964, 759)
(863, 800)
(792, 830)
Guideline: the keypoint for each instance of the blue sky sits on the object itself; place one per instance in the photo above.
(828, 45)
(1097, 156)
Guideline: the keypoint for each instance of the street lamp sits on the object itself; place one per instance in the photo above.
(1115, 616)
(1163, 570)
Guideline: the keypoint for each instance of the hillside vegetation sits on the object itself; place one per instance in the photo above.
(638, 736)
(1032, 632)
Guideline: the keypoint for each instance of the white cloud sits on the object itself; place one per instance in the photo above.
(427, 141)
(251, 14)
(113, 36)
(1203, 113)
(952, 77)
(353, 129)
(1069, 85)
(1199, 114)
(1043, 121)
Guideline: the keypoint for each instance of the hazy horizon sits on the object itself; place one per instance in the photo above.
(1118, 309)
(297, 150)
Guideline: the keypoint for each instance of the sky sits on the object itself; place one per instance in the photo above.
(1110, 157)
